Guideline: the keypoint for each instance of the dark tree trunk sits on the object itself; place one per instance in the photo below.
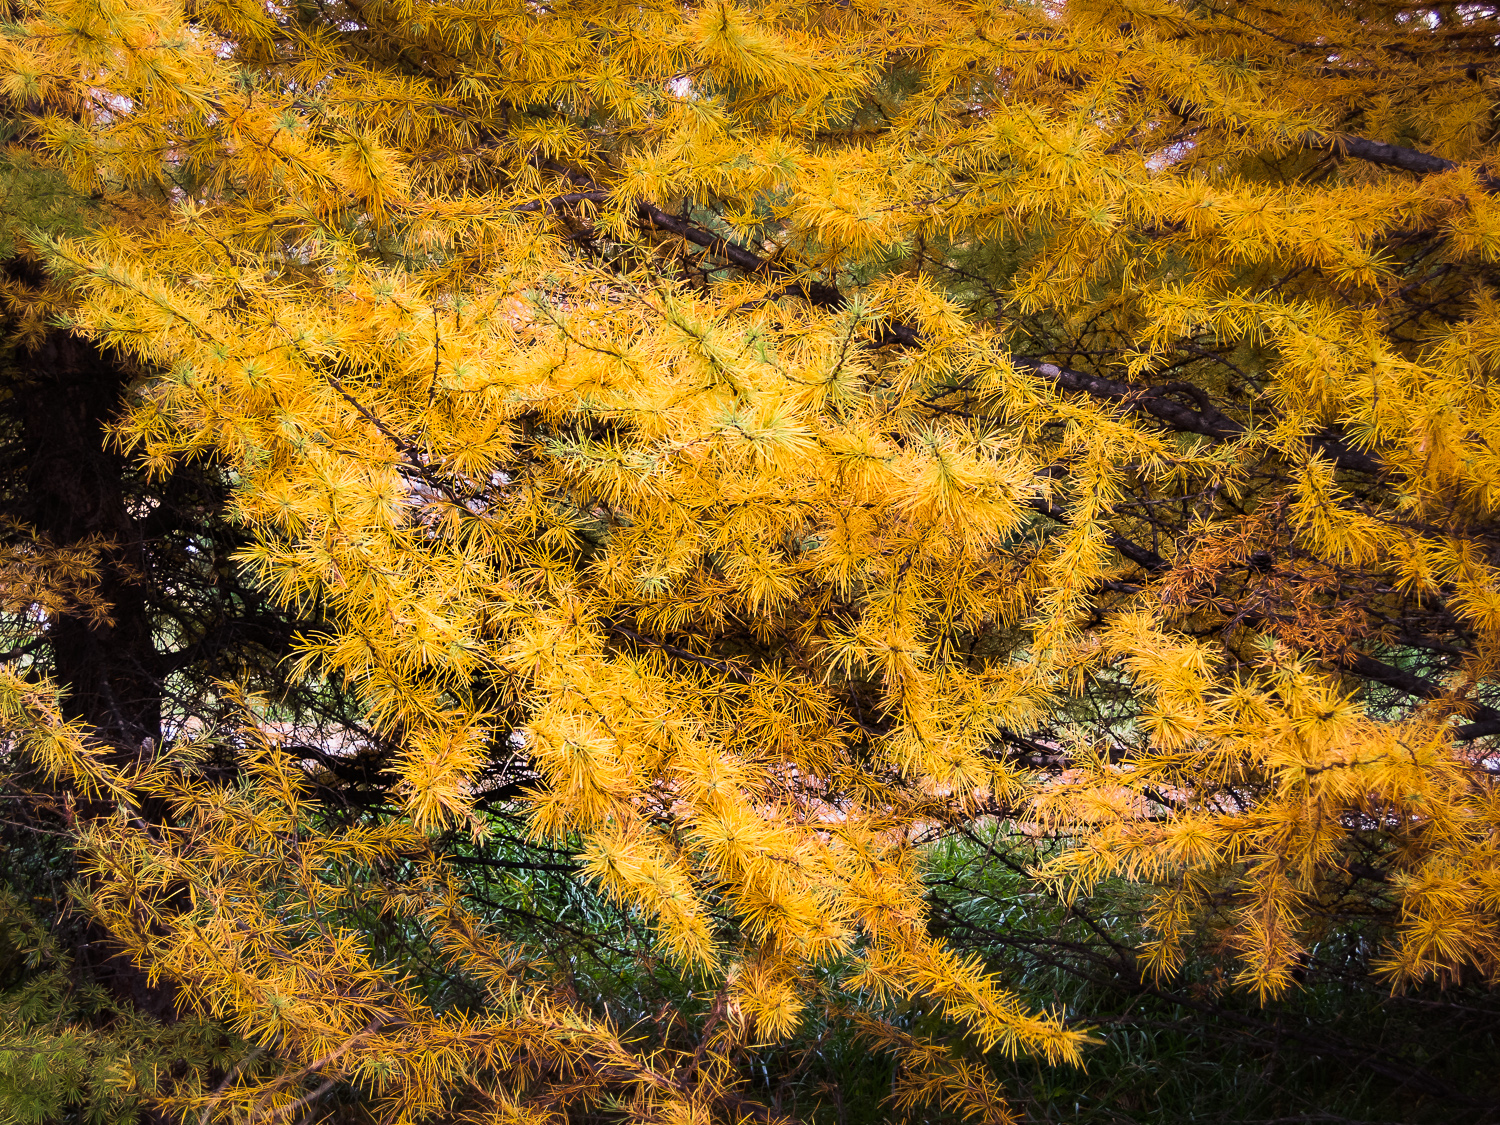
(74, 488)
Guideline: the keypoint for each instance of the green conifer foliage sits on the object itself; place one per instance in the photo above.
(71, 1051)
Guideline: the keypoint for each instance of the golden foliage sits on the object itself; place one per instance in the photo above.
(757, 571)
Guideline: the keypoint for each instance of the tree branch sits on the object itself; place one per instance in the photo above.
(1393, 156)
(1378, 152)
(1154, 401)
(1486, 720)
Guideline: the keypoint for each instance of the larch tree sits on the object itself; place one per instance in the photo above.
(758, 438)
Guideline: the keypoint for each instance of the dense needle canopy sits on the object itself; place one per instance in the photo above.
(766, 435)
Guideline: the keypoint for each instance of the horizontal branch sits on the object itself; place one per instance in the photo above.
(817, 293)
(1154, 401)
(1208, 420)
(1361, 148)
(512, 864)
(1391, 156)
(1378, 152)
(1484, 720)
(728, 667)
(568, 200)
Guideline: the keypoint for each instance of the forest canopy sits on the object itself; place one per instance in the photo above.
(597, 561)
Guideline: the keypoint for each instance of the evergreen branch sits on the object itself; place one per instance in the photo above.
(1207, 420)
